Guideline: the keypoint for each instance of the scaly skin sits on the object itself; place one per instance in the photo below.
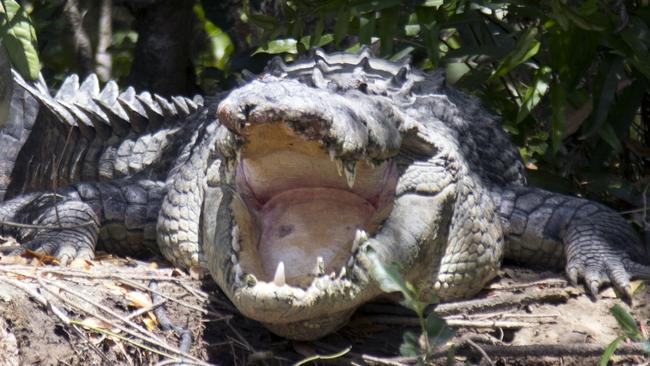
(450, 196)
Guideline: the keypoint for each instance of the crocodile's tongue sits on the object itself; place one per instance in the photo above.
(301, 225)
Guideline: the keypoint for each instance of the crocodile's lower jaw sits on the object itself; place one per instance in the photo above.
(300, 216)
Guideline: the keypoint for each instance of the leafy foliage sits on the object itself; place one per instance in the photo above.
(19, 39)
(630, 330)
(434, 330)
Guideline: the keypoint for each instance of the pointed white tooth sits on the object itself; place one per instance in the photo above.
(250, 280)
(350, 262)
(333, 275)
(342, 273)
(233, 259)
(371, 163)
(279, 278)
(360, 237)
(332, 154)
(350, 172)
(238, 157)
(339, 167)
(238, 271)
(319, 270)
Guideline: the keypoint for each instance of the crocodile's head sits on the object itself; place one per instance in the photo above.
(310, 175)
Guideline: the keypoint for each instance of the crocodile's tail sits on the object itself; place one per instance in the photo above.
(59, 139)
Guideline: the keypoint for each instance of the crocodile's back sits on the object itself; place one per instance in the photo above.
(84, 133)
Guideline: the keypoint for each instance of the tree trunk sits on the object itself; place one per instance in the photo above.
(162, 62)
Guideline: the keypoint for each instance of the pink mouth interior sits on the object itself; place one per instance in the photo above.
(300, 208)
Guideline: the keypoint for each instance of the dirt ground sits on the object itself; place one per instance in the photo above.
(101, 313)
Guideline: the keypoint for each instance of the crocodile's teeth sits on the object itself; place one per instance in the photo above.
(238, 157)
(238, 271)
(235, 239)
(350, 262)
(319, 270)
(250, 280)
(342, 273)
(350, 172)
(279, 278)
(360, 237)
(332, 153)
(339, 167)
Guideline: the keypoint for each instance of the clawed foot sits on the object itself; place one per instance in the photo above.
(603, 266)
(66, 230)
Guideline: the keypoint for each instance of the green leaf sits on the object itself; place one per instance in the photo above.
(403, 54)
(627, 322)
(410, 346)
(558, 116)
(366, 29)
(342, 24)
(279, 46)
(264, 21)
(387, 276)
(609, 351)
(220, 46)
(437, 330)
(317, 34)
(636, 36)
(19, 39)
(614, 73)
(563, 14)
(375, 5)
(388, 30)
(535, 92)
(606, 132)
(527, 46)
(429, 29)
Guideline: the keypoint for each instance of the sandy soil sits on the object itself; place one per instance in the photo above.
(78, 316)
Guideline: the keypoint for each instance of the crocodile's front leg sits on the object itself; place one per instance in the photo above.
(121, 215)
(590, 240)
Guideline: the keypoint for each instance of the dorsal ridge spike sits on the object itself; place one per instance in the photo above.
(320, 55)
(365, 51)
(90, 85)
(364, 62)
(68, 88)
(322, 66)
(318, 78)
(277, 66)
(401, 74)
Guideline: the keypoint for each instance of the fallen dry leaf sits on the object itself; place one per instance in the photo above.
(81, 264)
(116, 289)
(41, 258)
(138, 299)
(150, 321)
(94, 323)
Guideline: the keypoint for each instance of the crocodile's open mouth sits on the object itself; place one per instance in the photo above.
(303, 211)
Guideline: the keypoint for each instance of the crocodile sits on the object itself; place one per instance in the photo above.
(288, 187)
